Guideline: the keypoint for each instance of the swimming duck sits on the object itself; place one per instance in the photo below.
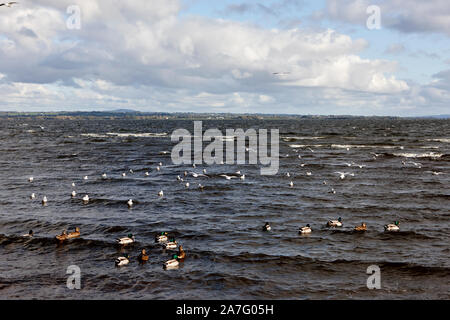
(73, 194)
(160, 193)
(62, 236)
(130, 203)
(392, 226)
(32, 196)
(181, 253)
(29, 234)
(305, 229)
(143, 256)
(86, 199)
(267, 227)
(74, 234)
(362, 227)
(126, 240)
(161, 237)
(335, 223)
(121, 261)
(173, 263)
(30, 179)
(172, 244)
(44, 200)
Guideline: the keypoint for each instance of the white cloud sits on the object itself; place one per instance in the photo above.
(143, 55)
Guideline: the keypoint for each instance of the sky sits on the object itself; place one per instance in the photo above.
(329, 57)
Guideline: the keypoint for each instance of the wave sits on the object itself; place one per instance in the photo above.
(138, 135)
(431, 155)
(444, 140)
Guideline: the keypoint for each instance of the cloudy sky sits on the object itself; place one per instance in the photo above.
(253, 56)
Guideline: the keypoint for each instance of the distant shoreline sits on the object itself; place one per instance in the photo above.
(129, 114)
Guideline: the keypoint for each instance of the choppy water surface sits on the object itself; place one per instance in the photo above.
(228, 256)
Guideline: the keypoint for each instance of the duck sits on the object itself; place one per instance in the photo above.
(62, 236)
(305, 229)
(104, 176)
(181, 253)
(126, 240)
(143, 256)
(130, 203)
(335, 223)
(121, 261)
(362, 227)
(161, 237)
(332, 191)
(44, 200)
(29, 234)
(200, 187)
(74, 234)
(86, 199)
(172, 244)
(160, 193)
(32, 196)
(204, 171)
(30, 179)
(173, 263)
(392, 226)
(178, 178)
(267, 227)
(73, 194)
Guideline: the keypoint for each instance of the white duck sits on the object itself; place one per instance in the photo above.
(126, 240)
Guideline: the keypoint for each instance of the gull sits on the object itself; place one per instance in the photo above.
(348, 164)
(291, 184)
(160, 193)
(193, 165)
(104, 176)
(73, 184)
(435, 173)
(185, 173)
(187, 184)
(288, 174)
(85, 177)
(332, 190)
(310, 149)
(204, 171)
(226, 177)
(86, 199)
(242, 177)
(32, 196)
(200, 186)
(343, 174)
(8, 4)
(324, 182)
(74, 194)
(178, 178)
(147, 174)
(130, 203)
(302, 165)
(44, 200)
(157, 168)
(308, 173)
(160, 164)
(238, 172)
(131, 171)
(123, 174)
(30, 179)
(299, 156)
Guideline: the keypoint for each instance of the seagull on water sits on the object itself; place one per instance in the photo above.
(44, 200)
(130, 203)
(147, 174)
(74, 194)
(104, 176)
(342, 175)
(86, 199)
(161, 193)
(32, 196)
(291, 184)
(30, 179)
